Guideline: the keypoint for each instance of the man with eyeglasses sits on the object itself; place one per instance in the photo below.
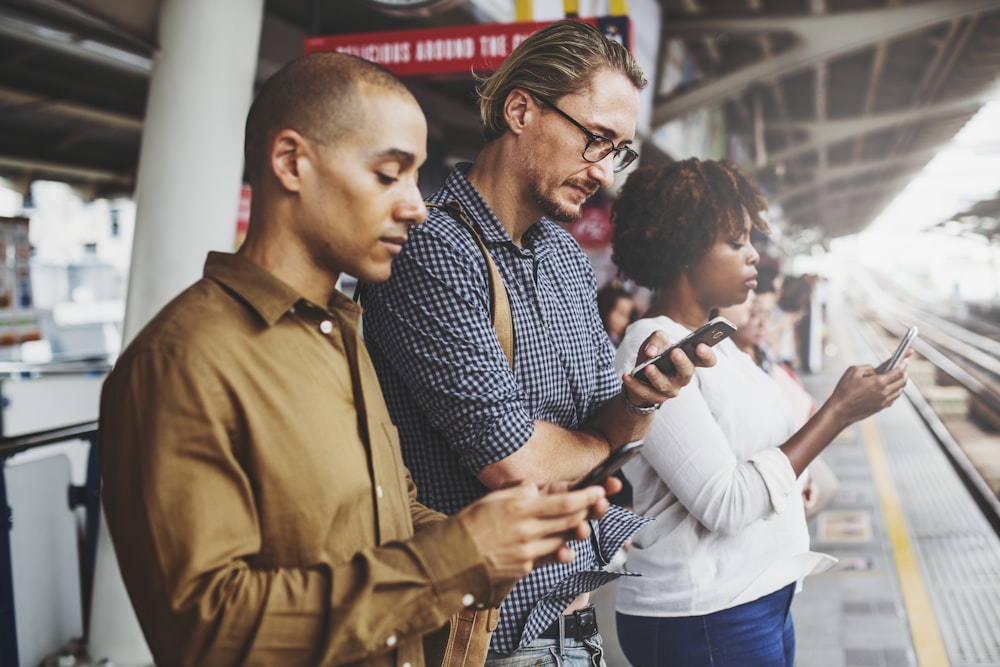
(559, 115)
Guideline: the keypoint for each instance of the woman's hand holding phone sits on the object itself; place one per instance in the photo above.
(900, 353)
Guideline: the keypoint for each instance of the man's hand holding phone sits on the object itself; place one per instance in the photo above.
(520, 527)
(602, 474)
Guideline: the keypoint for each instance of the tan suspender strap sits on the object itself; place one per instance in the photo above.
(503, 318)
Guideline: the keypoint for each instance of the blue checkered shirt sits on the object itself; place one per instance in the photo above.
(453, 396)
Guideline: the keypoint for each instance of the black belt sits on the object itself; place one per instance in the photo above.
(580, 625)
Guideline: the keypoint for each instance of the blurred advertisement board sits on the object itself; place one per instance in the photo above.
(19, 322)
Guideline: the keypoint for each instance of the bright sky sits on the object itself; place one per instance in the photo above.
(935, 262)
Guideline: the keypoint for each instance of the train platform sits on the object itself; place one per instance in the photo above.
(918, 578)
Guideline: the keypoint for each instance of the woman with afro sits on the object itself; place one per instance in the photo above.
(720, 468)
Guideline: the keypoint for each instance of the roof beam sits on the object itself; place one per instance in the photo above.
(57, 170)
(17, 27)
(831, 175)
(820, 38)
(280, 43)
(833, 131)
(79, 111)
(840, 217)
(895, 183)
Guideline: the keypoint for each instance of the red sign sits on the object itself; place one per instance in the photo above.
(243, 215)
(449, 50)
(593, 229)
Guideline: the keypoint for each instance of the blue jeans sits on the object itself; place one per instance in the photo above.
(545, 652)
(755, 634)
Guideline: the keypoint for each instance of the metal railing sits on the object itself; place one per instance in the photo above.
(86, 496)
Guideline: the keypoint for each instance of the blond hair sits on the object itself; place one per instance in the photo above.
(557, 60)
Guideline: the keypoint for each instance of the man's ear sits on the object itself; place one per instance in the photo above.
(288, 152)
(517, 109)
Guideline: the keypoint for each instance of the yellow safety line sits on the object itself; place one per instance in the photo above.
(924, 630)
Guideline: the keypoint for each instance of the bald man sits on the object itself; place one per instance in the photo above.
(253, 484)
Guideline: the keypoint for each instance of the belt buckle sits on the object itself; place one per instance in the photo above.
(586, 623)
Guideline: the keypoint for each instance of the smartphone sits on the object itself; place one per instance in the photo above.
(709, 334)
(897, 356)
(614, 463)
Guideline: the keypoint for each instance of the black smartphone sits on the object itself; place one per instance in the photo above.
(711, 333)
(614, 463)
(897, 356)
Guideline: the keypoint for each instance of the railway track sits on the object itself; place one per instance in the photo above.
(955, 379)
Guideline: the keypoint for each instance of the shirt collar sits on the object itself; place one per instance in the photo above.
(458, 186)
(268, 296)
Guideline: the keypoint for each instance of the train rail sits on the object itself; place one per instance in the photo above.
(955, 380)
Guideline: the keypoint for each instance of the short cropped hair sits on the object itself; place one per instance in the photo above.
(317, 96)
(667, 217)
(557, 60)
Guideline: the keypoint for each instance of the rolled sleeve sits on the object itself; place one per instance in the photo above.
(779, 477)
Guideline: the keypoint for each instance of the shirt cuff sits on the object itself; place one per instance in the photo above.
(454, 566)
(779, 478)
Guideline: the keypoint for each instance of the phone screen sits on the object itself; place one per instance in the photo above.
(897, 356)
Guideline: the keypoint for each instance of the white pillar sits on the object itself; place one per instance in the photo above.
(190, 172)
(191, 159)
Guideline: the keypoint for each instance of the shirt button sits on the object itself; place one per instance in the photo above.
(467, 600)
(391, 641)
(326, 326)
(378, 491)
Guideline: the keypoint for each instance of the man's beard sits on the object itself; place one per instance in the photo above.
(551, 209)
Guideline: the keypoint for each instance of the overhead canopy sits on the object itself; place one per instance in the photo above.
(840, 108)
(981, 219)
(833, 106)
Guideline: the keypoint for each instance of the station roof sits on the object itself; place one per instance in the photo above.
(835, 104)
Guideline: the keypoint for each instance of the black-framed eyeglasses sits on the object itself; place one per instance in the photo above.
(598, 146)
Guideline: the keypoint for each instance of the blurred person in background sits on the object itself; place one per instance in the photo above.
(752, 319)
(617, 308)
(787, 336)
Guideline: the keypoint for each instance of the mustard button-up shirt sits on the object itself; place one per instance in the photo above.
(254, 489)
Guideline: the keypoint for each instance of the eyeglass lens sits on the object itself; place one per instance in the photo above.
(598, 148)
